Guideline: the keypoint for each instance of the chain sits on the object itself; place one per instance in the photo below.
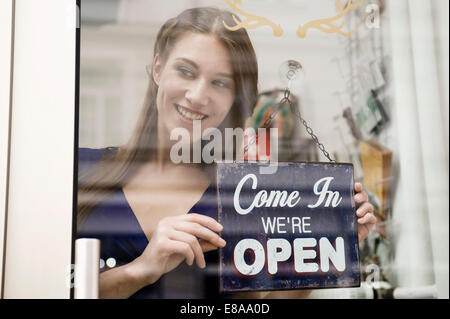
(268, 121)
(266, 124)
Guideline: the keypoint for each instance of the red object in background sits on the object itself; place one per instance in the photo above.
(260, 149)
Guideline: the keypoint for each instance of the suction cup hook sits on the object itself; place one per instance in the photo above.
(291, 73)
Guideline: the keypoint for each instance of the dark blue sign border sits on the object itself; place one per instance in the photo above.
(324, 223)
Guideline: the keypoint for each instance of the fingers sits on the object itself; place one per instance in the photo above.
(195, 233)
(364, 209)
(207, 246)
(361, 197)
(368, 219)
(182, 248)
(204, 221)
(193, 244)
(365, 214)
(200, 232)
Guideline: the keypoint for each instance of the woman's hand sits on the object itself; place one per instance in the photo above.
(364, 212)
(175, 240)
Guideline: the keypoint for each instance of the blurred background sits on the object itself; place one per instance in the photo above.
(377, 99)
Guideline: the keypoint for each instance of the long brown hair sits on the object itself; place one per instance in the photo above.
(113, 172)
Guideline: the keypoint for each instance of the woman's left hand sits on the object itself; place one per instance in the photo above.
(364, 212)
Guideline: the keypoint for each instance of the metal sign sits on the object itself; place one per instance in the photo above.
(292, 229)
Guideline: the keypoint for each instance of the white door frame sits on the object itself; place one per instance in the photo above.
(6, 38)
(38, 208)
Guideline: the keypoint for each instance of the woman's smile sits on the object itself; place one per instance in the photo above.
(189, 115)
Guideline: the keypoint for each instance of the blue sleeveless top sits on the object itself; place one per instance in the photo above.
(122, 238)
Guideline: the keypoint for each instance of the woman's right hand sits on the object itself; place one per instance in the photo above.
(175, 240)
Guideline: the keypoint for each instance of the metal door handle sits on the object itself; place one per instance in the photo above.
(86, 277)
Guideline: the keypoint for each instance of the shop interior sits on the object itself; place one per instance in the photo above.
(377, 99)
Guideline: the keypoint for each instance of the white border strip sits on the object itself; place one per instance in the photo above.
(6, 29)
(39, 223)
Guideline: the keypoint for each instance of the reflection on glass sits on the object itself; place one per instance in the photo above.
(147, 178)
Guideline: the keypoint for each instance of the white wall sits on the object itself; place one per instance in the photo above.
(39, 223)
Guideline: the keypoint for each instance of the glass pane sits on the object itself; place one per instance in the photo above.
(298, 133)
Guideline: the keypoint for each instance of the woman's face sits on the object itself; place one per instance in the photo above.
(195, 83)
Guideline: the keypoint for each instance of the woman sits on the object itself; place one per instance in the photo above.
(152, 214)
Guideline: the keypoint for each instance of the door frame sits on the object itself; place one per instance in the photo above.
(38, 188)
(6, 54)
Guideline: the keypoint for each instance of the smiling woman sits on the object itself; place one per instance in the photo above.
(150, 213)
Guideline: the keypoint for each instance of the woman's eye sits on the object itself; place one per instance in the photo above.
(186, 72)
(220, 84)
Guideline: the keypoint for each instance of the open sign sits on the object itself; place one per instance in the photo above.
(292, 229)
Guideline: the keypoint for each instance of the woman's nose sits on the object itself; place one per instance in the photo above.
(197, 93)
